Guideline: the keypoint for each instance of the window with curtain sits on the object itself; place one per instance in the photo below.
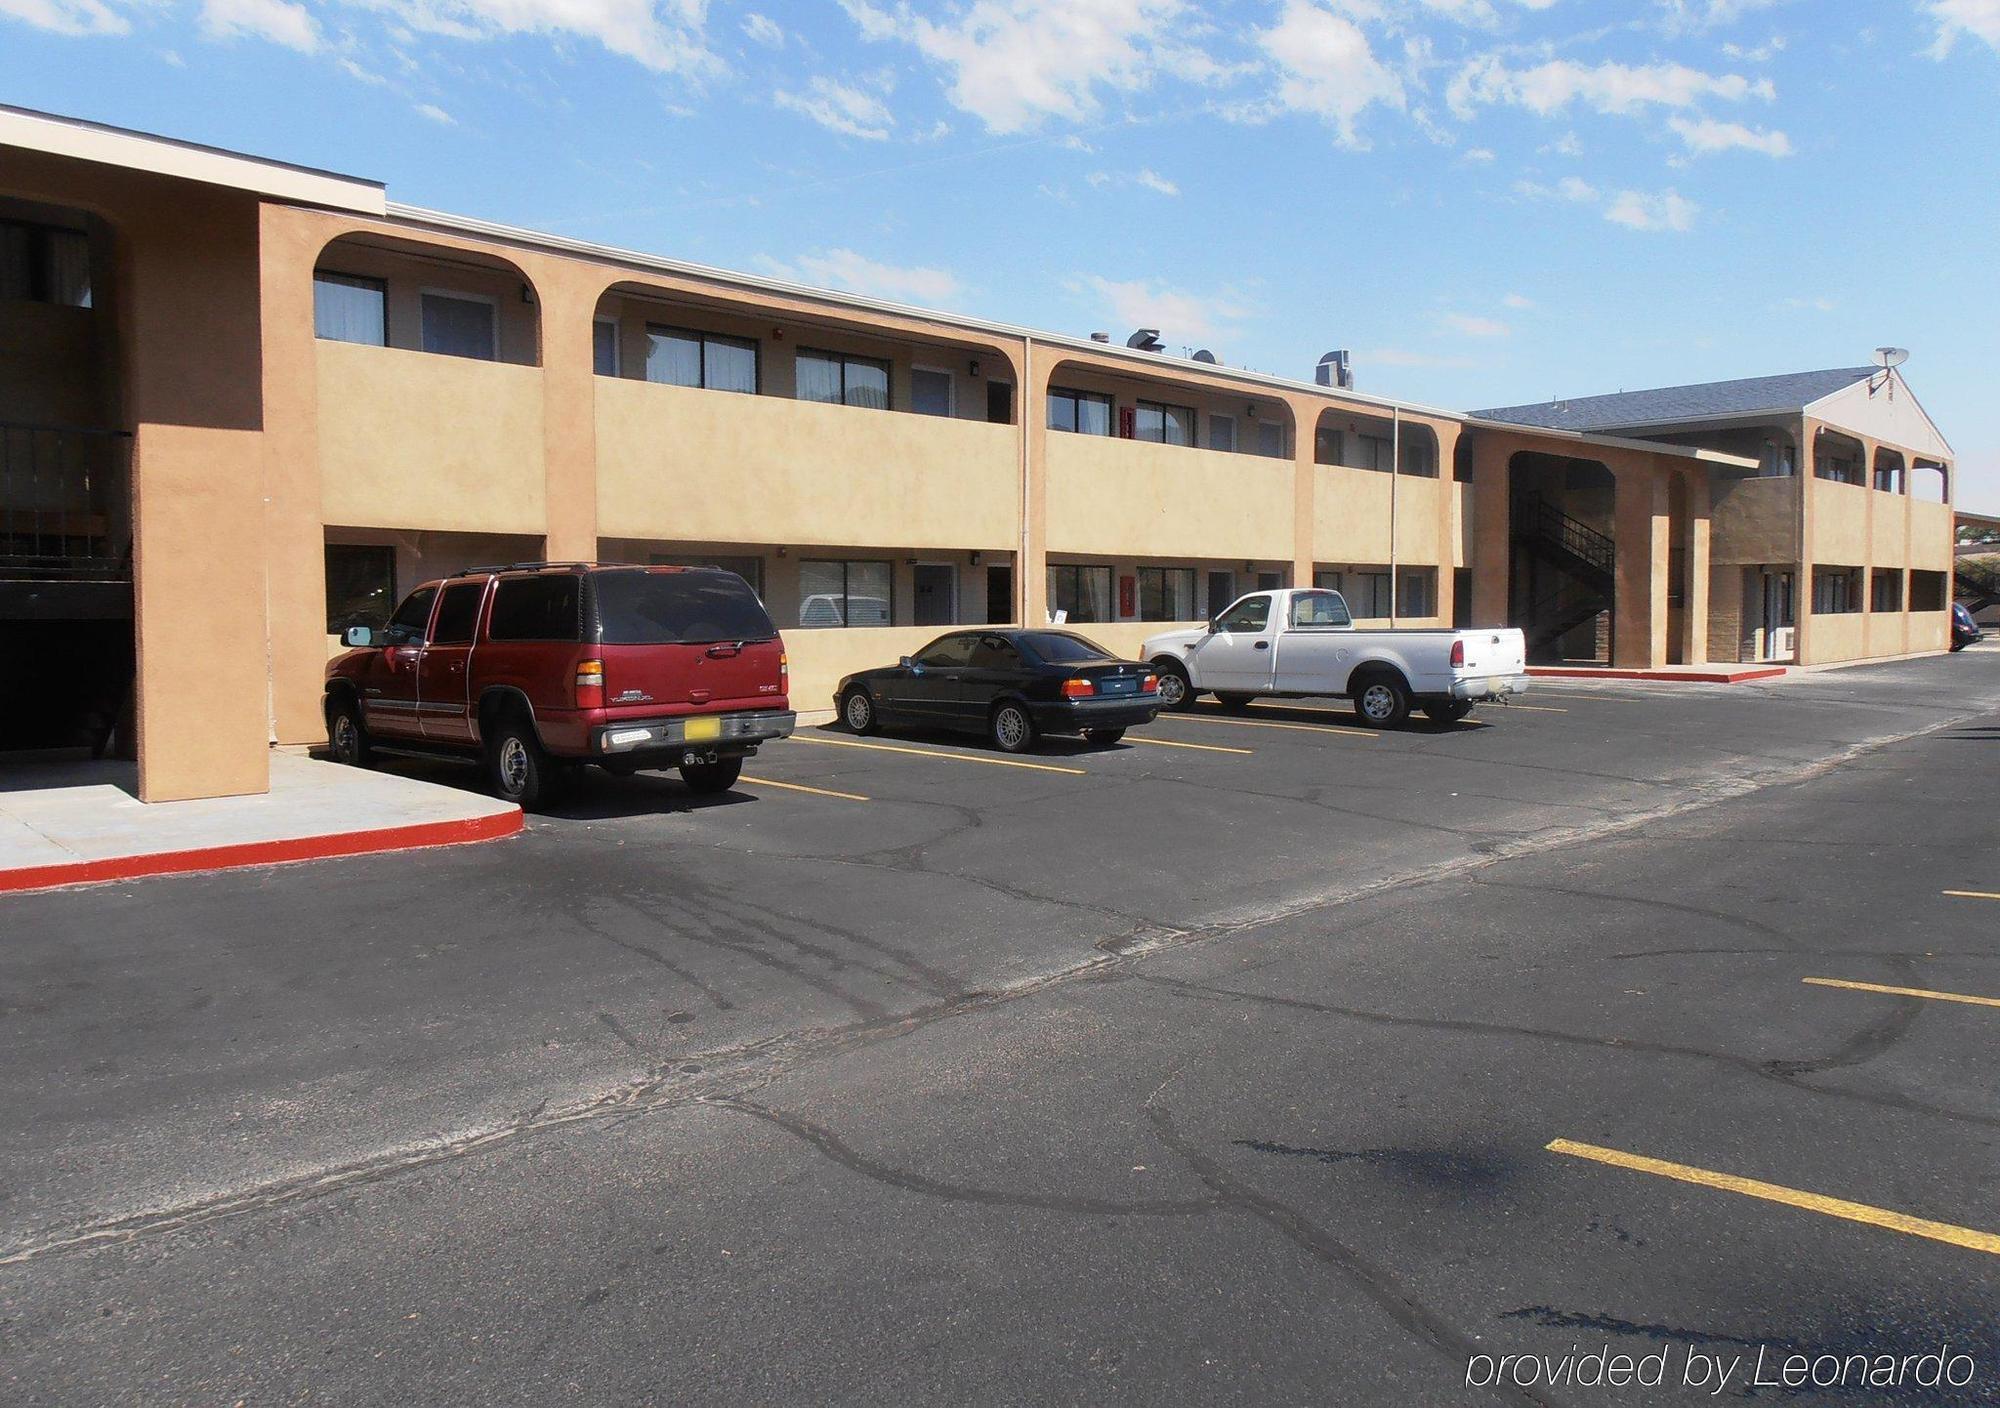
(44, 264)
(930, 391)
(834, 593)
(837, 379)
(1271, 439)
(1419, 452)
(604, 346)
(1167, 594)
(709, 361)
(349, 308)
(457, 326)
(1164, 425)
(1367, 595)
(1222, 432)
(1084, 592)
(1416, 591)
(1082, 412)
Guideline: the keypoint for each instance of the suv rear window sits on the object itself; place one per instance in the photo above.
(537, 608)
(677, 608)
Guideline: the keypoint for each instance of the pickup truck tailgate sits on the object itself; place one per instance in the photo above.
(1493, 652)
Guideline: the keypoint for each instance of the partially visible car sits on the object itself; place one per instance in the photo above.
(1964, 630)
(1011, 684)
(539, 668)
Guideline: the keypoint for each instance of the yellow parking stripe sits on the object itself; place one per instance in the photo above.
(801, 787)
(1972, 895)
(1904, 992)
(948, 757)
(1322, 729)
(1533, 708)
(1198, 747)
(1791, 1197)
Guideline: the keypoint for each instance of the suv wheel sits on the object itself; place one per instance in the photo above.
(516, 767)
(857, 711)
(711, 778)
(1013, 731)
(346, 739)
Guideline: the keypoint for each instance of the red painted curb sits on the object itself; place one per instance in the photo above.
(1769, 672)
(284, 852)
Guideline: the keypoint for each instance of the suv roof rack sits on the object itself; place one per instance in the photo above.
(518, 567)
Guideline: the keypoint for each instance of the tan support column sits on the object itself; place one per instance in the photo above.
(567, 295)
(1700, 500)
(1305, 481)
(1802, 585)
(1031, 576)
(1639, 618)
(1447, 529)
(1492, 552)
(294, 528)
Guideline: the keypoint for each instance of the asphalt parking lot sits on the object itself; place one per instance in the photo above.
(1256, 1058)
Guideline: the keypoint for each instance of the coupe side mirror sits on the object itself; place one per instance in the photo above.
(906, 663)
(359, 637)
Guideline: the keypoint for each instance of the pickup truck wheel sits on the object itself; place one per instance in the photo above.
(707, 779)
(516, 767)
(1176, 689)
(347, 740)
(1235, 703)
(1382, 701)
(1104, 735)
(1448, 712)
(1013, 731)
(857, 711)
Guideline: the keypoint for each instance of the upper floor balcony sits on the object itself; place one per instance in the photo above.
(65, 504)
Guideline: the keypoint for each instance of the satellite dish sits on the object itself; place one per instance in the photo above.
(1205, 356)
(1887, 357)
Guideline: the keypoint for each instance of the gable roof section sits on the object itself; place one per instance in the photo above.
(1678, 405)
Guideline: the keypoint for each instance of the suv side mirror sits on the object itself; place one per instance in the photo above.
(359, 637)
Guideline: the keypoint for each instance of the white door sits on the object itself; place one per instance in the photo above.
(1237, 656)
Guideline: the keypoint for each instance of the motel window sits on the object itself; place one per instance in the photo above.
(931, 392)
(1837, 463)
(604, 346)
(349, 308)
(44, 264)
(1083, 412)
(544, 607)
(1927, 591)
(1082, 592)
(844, 594)
(1836, 590)
(1164, 425)
(459, 325)
(750, 569)
(1419, 453)
(360, 586)
(1271, 439)
(701, 359)
(1222, 432)
(1367, 595)
(1885, 590)
(1221, 590)
(837, 379)
(1416, 591)
(1327, 581)
(1166, 594)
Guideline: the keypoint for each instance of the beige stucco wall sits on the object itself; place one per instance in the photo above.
(1837, 528)
(676, 462)
(1350, 514)
(1931, 538)
(409, 440)
(1128, 498)
(1842, 637)
(1754, 520)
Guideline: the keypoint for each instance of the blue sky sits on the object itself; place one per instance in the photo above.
(1489, 201)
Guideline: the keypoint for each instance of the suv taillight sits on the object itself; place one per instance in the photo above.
(1458, 655)
(590, 684)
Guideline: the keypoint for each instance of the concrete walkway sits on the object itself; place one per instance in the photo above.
(82, 822)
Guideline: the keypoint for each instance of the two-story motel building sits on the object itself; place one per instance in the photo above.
(246, 404)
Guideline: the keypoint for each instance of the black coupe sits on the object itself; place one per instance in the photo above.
(1011, 685)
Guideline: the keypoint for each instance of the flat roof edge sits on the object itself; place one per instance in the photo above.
(191, 161)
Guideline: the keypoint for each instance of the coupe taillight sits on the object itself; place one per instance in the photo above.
(590, 684)
(1458, 655)
(1150, 685)
(1078, 689)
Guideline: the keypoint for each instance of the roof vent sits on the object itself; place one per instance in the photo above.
(1100, 337)
(1146, 340)
(1336, 369)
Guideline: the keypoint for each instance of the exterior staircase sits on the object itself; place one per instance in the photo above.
(1585, 563)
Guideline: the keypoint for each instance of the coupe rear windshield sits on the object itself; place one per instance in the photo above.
(678, 608)
(1061, 648)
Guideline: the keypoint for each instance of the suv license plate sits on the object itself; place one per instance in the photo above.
(702, 730)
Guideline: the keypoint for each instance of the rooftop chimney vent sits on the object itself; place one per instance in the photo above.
(1336, 369)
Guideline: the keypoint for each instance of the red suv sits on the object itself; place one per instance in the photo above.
(542, 667)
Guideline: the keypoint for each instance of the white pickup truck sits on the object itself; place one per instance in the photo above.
(1304, 643)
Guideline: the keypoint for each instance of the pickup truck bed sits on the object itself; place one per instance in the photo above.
(1302, 642)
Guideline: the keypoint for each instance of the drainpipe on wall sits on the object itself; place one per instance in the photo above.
(1021, 589)
(1395, 492)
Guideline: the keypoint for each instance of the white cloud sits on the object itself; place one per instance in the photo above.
(1015, 64)
(841, 108)
(1327, 67)
(436, 114)
(1479, 156)
(1519, 302)
(667, 36)
(1153, 181)
(1760, 54)
(856, 273)
(1145, 176)
(279, 21)
(1705, 136)
(1638, 210)
(1178, 314)
(764, 30)
(67, 16)
(1468, 326)
(1978, 18)
(1613, 88)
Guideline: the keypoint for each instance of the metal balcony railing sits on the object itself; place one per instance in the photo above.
(65, 502)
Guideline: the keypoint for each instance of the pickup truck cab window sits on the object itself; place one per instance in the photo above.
(408, 625)
(1319, 610)
(1250, 614)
